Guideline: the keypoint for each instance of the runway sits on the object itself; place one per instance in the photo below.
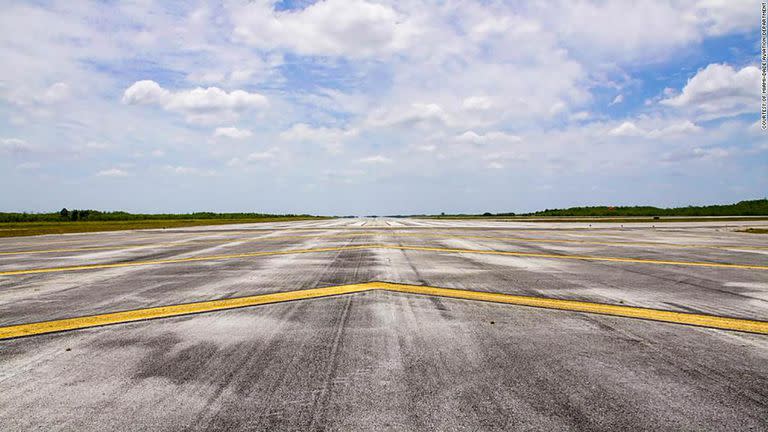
(361, 354)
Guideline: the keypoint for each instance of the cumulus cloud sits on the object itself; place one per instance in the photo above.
(199, 104)
(682, 128)
(232, 132)
(145, 92)
(435, 80)
(719, 90)
(629, 129)
(354, 28)
(626, 129)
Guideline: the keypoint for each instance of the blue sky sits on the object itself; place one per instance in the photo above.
(367, 107)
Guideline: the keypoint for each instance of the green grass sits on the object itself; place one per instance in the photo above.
(756, 230)
(19, 229)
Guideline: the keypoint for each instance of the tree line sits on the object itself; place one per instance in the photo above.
(742, 208)
(757, 207)
(66, 215)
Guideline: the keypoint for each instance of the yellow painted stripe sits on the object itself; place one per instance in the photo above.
(171, 311)
(380, 246)
(599, 243)
(580, 257)
(173, 260)
(394, 234)
(709, 321)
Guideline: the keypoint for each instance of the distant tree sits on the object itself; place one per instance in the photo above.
(442, 213)
(487, 214)
(64, 213)
(74, 215)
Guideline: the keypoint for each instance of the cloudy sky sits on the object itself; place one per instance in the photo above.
(379, 107)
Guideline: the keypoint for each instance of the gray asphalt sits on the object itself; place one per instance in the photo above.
(381, 360)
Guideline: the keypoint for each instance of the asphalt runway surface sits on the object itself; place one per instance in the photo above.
(386, 359)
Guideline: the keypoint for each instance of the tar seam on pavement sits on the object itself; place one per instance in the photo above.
(382, 246)
(394, 234)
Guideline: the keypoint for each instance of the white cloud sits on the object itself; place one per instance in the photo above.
(617, 100)
(260, 156)
(630, 129)
(626, 31)
(253, 158)
(719, 90)
(626, 129)
(213, 99)
(426, 148)
(28, 166)
(496, 165)
(185, 170)
(15, 146)
(95, 146)
(376, 159)
(497, 137)
(112, 172)
(332, 139)
(232, 132)
(305, 132)
(413, 115)
(580, 116)
(683, 128)
(205, 105)
(477, 103)
(430, 79)
(719, 17)
(145, 92)
(354, 28)
(698, 153)
(57, 92)
(557, 107)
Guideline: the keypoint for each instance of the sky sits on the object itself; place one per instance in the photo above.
(367, 107)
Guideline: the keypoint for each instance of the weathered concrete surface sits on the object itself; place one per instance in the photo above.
(381, 360)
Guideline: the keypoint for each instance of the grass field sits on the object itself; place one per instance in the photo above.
(19, 229)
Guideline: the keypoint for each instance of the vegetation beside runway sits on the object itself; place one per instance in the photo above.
(77, 221)
(743, 210)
